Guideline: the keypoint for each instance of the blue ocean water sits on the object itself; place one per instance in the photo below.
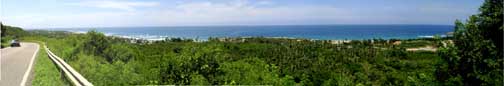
(323, 32)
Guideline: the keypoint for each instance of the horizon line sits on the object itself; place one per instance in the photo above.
(230, 25)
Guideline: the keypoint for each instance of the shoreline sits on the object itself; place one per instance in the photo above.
(153, 38)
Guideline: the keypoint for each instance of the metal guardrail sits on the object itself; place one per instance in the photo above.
(75, 77)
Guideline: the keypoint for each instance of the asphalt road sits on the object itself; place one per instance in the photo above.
(16, 64)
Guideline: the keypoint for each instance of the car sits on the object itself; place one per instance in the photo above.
(15, 43)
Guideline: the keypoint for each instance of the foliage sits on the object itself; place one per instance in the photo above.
(476, 58)
(240, 61)
(46, 73)
(9, 32)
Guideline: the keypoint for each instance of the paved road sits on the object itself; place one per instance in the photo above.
(15, 62)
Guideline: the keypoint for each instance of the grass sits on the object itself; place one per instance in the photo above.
(46, 72)
(5, 42)
(416, 43)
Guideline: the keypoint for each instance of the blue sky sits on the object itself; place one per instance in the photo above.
(125, 13)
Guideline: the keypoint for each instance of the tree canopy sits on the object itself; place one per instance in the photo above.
(476, 58)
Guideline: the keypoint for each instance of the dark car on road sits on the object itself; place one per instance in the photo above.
(15, 43)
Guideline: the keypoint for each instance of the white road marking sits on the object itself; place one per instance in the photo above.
(27, 73)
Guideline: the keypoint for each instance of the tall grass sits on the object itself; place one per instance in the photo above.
(46, 72)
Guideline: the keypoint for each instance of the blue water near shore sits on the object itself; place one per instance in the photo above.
(322, 32)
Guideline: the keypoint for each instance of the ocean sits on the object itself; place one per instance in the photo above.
(317, 32)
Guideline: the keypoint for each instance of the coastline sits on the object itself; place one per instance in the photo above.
(154, 38)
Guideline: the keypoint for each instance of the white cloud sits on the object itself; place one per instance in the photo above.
(240, 12)
(99, 19)
(243, 12)
(265, 3)
(194, 13)
(122, 5)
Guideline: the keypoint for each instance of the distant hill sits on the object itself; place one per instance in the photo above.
(10, 32)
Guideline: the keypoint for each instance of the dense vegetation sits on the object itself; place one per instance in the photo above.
(473, 56)
(117, 61)
(476, 58)
(46, 73)
(8, 33)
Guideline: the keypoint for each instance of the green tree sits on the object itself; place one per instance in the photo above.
(10, 32)
(252, 72)
(476, 57)
(118, 52)
(96, 43)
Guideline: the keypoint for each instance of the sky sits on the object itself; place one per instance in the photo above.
(135, 13)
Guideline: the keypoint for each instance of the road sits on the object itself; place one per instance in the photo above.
(16, 64)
